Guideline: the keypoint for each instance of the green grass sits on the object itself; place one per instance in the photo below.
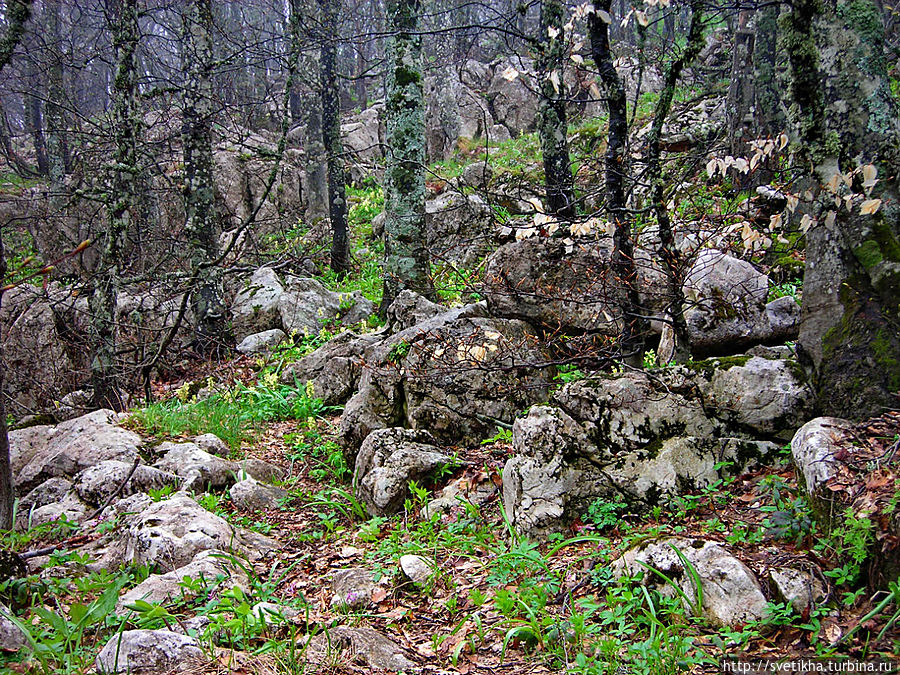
(233, 416)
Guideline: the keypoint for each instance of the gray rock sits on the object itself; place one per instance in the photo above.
(261, 470)
(537, 280)
(732, 596)
(251, 495)
(149, 651)
(417, 569)
(38, 367)
(352, 589)
(360, 644)
(334, 368)
(634, 437)
(258, 343)
(454, 374)
(515, 101)
(256, 306)
(40, 453)
(307, 306)
(172, 532)
(498, 134)
(216, 569)
(767, 396)
(387, 460)
(98, 483)
(459, 228)
(409, 308)
(213, 445)
(813, 450)
(71, 508)
(477, 175)
(198, 468)
(50, 491)
(800, 589)
(12, 639)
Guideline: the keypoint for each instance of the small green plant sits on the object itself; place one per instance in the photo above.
(605, 514)
(568, 372)
(502, 436)
(398, 352)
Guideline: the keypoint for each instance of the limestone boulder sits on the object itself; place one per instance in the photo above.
(170, 533)
(255, 308)
(387, 461)
(768, 397)
(98, 483)
(41, 453)
(198, 469)
(334, 368)
(731, 594)
(142, 652)
(218, 571)
(459, 228)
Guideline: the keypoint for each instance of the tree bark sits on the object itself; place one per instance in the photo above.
(668, 252)
(121, 200)
(631, 339)
(202, 223)
(331, 138)
(769, 116)
(552, 125)
(406, 263)
(846, 118)
(18, 12)
(54, 111)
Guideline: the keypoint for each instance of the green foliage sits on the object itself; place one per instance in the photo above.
(502, 436)
(569, 372)
(232, 416)
(605, 514)
(786, 289)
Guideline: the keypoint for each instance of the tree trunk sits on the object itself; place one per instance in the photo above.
(406, 263)
(331, 138)
(552, 125)
(54, 113)
(120, 203)
(769, 117)
(846, 118)
(34, 118)
(668, 252)
(17, 13)
(739, 104)
(631, 340)
(201, 226)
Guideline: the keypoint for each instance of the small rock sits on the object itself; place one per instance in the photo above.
(213, 445)
(801, 589)
(261, 470)
(731, 594)
(262, 342)
(251, 495)
(362, 643)
(352, 589)
(387, 461)
(198, 468)
(417, 569)
(215, 567)
(148, 651)
(12, 639)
